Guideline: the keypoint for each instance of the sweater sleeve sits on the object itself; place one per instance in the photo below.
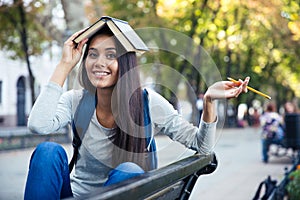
(51, 111)
(168, 121)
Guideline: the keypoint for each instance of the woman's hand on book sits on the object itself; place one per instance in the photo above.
(72, 52)
(70, 57)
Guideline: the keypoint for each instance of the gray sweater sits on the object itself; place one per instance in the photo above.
(54, 110)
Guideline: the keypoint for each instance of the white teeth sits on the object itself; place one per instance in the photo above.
(101, 73)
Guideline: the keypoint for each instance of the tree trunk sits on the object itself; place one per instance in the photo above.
(75, 20)
(23, 35)
(45, 19)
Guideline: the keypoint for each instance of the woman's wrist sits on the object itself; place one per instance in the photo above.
(209, 115)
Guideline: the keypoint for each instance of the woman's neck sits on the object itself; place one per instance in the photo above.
(103, 108)
(104, 99)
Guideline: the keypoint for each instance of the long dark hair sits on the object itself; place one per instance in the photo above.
(127, 106)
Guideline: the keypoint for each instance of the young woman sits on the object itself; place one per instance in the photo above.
(113, 148)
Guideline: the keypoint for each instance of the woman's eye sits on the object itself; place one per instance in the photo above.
(111, 55)
(92, 55)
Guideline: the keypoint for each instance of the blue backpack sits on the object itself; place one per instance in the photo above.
(82, 118)
(273, 130)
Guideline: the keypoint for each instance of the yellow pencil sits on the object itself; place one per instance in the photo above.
(251, 89)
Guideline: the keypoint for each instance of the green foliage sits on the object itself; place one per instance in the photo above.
(11, 28)
(244, 38)
(293, 186)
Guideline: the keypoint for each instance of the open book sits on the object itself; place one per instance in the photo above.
(121, 29)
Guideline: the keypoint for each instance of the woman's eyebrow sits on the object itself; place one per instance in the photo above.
(107, 49)
(110, 48)
(91, 48)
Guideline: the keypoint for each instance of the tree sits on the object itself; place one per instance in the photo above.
(16, 23)
(75, 19)
(252, 38)
(245, 38)
(73, 9)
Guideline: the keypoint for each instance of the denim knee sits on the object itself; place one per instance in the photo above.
(48, 175)
(49, 146)
(46, 153)
(129, 167)
(123, 172)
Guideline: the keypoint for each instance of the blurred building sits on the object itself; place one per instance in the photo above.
(15, 94)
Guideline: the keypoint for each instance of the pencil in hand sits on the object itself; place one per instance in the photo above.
(251, 89)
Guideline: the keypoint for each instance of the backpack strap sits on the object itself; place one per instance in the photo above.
(82, 118)
(150, 142)
(81, 121)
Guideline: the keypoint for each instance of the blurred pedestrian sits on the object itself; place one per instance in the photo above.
(231, 116)
(255, 118)
(290, 107)
(272, 129)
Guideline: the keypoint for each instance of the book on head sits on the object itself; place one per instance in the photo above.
(122, 31)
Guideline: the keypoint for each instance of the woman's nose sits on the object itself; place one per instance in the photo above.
(102, 61)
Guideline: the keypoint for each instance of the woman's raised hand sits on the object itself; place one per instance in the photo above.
(71, 55)
(72, 52)
(227, 89)
(221, 90)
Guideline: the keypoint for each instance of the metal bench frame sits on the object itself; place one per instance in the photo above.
(175, 181)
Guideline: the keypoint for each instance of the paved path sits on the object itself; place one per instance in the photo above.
(240, 169)
(236, 178)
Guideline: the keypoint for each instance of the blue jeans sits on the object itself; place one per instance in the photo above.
(49, 177)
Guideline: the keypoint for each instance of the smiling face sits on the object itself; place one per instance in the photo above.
(101, 62)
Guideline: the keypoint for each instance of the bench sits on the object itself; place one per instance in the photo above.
(175, 181)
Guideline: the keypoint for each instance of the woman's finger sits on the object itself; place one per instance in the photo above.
(245, 84)
(81, 44)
